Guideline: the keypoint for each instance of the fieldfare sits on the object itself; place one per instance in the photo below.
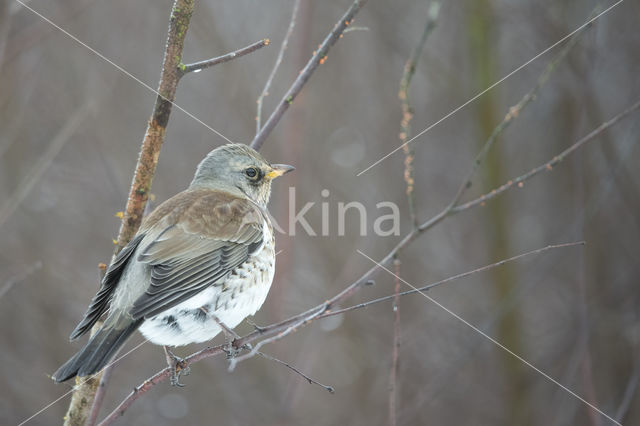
(202, 261)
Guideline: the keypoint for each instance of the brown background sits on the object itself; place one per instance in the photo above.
(70, 130)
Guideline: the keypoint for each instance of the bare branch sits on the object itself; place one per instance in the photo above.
(449, 279)
(548, 166)
(515, 111)
(283, 47)
(407, 109)
(395, 351)
(207, 63)
(154, 136)
(329, 389)
(105, 374)
(99, 396)
(254, 351)
(138, 391)
(319, 57)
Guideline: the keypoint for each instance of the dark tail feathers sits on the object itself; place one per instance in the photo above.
(99, 350)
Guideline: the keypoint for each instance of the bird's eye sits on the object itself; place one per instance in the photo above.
(251, 172)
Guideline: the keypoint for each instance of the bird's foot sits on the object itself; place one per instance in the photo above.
(230, 338)
(178, 367)
(231, 350)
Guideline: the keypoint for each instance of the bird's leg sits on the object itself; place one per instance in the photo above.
(230, 337)
(178, 367)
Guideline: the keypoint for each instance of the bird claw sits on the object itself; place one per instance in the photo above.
(178, 367)
(232, 351)
(229, 348)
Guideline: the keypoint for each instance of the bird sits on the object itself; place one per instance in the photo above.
(199, 264)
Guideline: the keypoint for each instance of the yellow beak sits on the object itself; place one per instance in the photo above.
(278, 170)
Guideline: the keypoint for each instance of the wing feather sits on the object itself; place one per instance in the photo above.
(196, 246)
(100, 302)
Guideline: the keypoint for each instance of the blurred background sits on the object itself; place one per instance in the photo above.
(70, 131)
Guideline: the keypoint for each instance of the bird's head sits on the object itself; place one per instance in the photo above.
(237, 167)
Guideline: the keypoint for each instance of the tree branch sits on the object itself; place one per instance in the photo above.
(329, 389)
(319, 57)
(407, 109)
(154, 136)
(207, 63)
(449, 279)
(516, 109)
(395, 350)
(283, 47)
(405, 132)
(548, 166)
(99, 396)
(138, 391)
(103, 375)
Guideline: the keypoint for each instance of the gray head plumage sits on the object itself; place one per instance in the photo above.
(238, 168)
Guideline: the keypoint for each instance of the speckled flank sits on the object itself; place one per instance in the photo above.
(239, 295)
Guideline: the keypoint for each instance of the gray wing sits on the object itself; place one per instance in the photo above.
(100, 301)
(186, 258)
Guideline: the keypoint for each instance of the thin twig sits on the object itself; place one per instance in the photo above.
(283, 47)
(446, 280)
(548, 166)
(329, 389)
(395, 350)
(207, 63)
(496, 343)
(138, 391)
(407, 109)
(319, 57)
(99, 397)
(492, 86)
(105, 374)
(254, 351)
(515, 111)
